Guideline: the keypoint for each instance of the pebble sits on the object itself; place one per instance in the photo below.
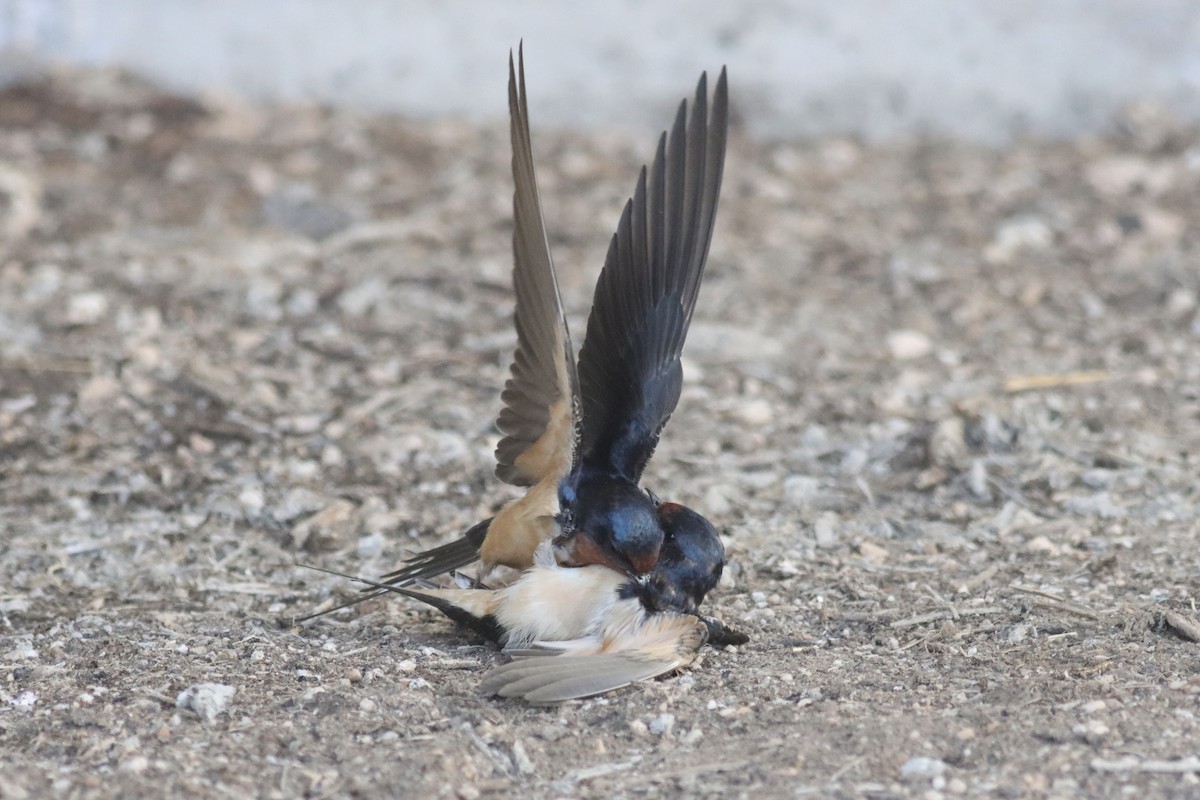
(135, 764)
(86, 308)
(1093, 731)
(251, 500)
(923, 767)
(521, 759)
(1120, 175)
(1016, 236)
(825, 529)
(1099, 504)
(97, 393)
(872, 553)
(906, 345)
(755, 412)
(662, 725)
(801, 490)
(371, 545)
(205, 700)
(328, 528)
(296, 503)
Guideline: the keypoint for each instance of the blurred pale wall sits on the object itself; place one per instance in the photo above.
(984, 69)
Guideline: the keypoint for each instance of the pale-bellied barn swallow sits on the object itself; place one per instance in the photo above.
(580, 435)
(580, 631)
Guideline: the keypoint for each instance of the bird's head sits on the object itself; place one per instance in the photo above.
(691, 559)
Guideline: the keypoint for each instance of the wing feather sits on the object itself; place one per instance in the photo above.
(540, 416)
(629, 368)
(654, 646)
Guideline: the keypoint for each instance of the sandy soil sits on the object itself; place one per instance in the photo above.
(943, 401)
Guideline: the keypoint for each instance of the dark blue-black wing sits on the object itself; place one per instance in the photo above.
(629, 371)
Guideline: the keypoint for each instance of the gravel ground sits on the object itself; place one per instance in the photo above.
(943, 401)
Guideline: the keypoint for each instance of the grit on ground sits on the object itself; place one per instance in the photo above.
(942, 400)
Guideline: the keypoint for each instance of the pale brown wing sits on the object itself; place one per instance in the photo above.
(556, 679)
(540, 418)
(663, 643)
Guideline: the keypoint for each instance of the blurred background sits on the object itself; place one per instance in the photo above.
(985, 70)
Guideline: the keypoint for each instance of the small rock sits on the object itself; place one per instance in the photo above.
(716, 501)
(362, 297)
(371, 545)
(367, 705)
(201, 444)
(755, 412)
(1017, 633)
(1093, 731)
(328, 528)
(300, 424)
(1015, 236)
(205, 700)
(1041, 544)
(1120, 175)
(662, 725)
(86, 308)
(135, 764)
(1099, 504)
(872, 553)
(906, 345)
(948, 445)
(1181, 302)
(521, 759)
(825, 530)
(251, 500)
(923, 767)
(296, 503)
(800, 490)
(97, 393)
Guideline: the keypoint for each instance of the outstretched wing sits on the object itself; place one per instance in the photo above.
(540, 418)
(663, 643)
(629, 369)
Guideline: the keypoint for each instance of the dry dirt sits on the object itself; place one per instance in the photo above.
(944, 402)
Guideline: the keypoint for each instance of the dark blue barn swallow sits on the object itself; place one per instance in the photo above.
(579, 435)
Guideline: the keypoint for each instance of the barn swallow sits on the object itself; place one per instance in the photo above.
(577, 632)
(578, 435)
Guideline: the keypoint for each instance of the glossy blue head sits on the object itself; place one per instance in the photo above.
(619, 527)
(690, 562)
(637, 536)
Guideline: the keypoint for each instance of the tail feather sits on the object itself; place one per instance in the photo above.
(439, 560)
(421, 567)
(474, 608)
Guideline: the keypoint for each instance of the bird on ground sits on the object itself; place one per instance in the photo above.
(580, 631)
(579, 435)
